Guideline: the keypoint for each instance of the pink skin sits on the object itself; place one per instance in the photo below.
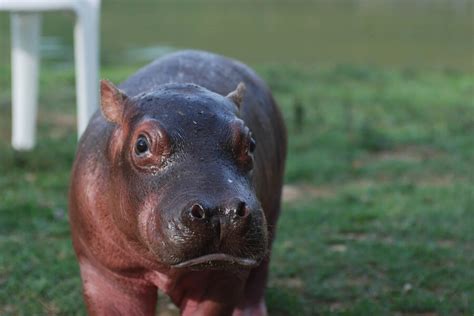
(123, 262)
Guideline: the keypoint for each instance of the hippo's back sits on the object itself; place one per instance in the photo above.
(211, 71)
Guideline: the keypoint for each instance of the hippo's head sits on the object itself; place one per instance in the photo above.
(181, 162)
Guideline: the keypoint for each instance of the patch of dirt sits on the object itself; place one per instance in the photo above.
(294, 192)
(409, 153)
(49, 307)
(355, 236)
(7, 310)
(291, 283)
(437, 181)
(297, 192)
(445, 243)
(358, 281)
(337, 307)
(288, 244)
(338, 248)
(416, 314)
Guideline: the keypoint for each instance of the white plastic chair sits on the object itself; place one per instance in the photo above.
(25, 30)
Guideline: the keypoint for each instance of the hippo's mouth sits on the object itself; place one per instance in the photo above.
(217, 260)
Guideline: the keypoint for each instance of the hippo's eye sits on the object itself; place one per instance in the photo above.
(141, 146)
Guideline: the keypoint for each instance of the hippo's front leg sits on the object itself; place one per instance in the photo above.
(105, 295)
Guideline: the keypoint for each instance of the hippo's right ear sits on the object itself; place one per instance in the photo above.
(112, 101)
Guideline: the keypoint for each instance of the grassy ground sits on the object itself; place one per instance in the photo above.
(378, 217)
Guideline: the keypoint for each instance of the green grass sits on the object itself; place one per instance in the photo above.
(378, 217)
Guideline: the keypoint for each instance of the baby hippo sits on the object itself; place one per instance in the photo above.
(176, 186)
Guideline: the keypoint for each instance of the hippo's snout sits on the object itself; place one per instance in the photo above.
(211, 232)
(226, 218)
(230, 232)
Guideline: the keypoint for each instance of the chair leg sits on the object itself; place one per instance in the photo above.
(26, 29)
(86, 44)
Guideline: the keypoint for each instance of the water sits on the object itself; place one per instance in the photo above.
(393, 33)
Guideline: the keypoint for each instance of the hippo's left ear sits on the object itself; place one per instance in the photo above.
(237, 95)
(112, 101)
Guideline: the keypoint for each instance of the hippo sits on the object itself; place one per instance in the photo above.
(176, 186)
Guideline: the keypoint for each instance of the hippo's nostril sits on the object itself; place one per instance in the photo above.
(242, 209)
(197, 211)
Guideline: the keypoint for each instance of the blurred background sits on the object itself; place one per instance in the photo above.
(395, 33)
(378, 96)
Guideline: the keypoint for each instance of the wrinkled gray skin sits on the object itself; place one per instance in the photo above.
(139, 223)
